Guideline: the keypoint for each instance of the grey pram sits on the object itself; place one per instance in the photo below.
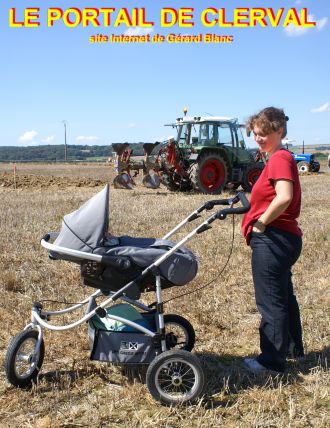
(121, 268)
(122, 258)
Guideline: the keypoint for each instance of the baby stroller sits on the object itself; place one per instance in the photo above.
(121, 269)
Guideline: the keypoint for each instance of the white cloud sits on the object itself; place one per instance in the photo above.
(89, 138)
(132, 125)
(138, 31)
(49, 139)
(323, 108)
(293, 31)
(27, 137)
(321, 23)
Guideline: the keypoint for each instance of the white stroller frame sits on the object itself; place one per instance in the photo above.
(40, 318)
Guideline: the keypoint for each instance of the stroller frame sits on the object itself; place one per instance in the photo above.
(40, 318)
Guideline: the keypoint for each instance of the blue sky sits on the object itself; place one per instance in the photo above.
(126, 92)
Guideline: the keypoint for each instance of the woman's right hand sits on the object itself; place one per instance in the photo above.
(259, 227)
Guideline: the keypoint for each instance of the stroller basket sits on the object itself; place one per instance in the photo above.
(121, 348)
(116, 342)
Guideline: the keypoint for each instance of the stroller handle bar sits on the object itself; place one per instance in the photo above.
(240, 197)
(221, 214)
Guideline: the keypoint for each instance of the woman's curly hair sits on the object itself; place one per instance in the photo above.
(269, 120)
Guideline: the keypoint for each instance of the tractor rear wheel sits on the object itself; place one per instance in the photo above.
(210, 174)
(251, 175)
(315, 167)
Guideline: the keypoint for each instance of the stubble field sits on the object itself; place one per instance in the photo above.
(75, 392)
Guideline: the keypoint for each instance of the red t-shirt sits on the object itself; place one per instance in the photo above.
(281, 165)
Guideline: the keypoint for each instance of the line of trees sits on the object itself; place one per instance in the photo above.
(55, 153)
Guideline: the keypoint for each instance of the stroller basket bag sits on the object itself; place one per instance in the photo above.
(116, 342)
(86, 229)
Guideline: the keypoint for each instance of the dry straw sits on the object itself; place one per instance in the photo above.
(74, 392)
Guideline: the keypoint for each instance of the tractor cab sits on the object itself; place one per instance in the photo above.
(196, 134)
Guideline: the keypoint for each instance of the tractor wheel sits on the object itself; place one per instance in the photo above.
(251, 175)
(303, 167)
(175, 183)
(315, 167)
(210, 174)
(171, 184)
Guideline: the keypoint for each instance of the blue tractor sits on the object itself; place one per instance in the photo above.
(306, 162)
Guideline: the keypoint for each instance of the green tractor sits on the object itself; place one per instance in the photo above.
(207, 155)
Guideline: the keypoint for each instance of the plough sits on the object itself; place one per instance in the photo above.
(125, 166)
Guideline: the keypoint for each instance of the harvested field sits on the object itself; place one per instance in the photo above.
(76, 392)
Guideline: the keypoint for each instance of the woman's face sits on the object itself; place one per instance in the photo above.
(268, 142)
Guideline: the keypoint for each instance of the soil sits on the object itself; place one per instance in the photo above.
(24, 181)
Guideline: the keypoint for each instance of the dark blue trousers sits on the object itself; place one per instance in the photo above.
(274, 252)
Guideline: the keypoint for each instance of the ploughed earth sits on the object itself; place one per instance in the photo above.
(38, 181)
(55, 175)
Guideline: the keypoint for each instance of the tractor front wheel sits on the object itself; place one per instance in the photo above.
(175, 183)
(303, 167)
(210, 174)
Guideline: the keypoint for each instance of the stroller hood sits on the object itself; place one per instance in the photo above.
(85, 228)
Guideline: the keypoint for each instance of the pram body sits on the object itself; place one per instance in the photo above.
(122, 268)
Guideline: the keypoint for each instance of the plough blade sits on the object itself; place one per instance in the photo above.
(123, 181)
(151, 181)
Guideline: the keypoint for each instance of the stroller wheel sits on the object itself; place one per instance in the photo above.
(22, 364)
(175, 377)
(180, 334)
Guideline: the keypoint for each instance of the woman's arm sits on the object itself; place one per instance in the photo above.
(283, 198)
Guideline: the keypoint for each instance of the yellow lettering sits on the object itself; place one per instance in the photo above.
(241, 16)
(291, 18)
(206, 21)
(275, 19)
(12, 19)
(304, 19)
(222, 19)
(123, 18)
(107, 11)
(53, 14)
(31, 16)
(90, 17)
(168, 17)
(258, 15)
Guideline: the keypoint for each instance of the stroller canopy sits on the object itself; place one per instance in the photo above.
(86, 228)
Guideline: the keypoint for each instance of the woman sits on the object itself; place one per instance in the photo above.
(272, 231)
